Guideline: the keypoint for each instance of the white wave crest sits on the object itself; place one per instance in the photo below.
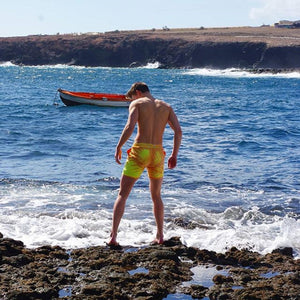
(154, 65)
(7, 64)
(250, 229)
(213, 231)
(238, 73)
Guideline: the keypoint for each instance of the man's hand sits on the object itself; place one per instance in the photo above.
(118, 155)
(172, 162)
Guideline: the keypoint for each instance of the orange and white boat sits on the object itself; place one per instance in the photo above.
(99, 99)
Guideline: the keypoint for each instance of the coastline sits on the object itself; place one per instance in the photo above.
(157, 65)
(151, 272)
(260, 49)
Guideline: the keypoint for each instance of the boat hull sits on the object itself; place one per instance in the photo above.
(99, 99)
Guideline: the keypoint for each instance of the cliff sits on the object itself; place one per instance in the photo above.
(245, 47)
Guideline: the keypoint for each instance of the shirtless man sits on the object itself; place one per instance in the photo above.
(152, 116)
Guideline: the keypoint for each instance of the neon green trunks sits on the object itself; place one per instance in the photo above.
(141, 156)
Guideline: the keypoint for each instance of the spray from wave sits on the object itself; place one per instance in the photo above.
(154, 65)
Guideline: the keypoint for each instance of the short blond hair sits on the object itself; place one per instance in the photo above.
(138, 86)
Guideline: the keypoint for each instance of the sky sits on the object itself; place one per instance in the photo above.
(26, 17)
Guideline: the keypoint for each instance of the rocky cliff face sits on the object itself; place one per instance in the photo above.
(174, 49)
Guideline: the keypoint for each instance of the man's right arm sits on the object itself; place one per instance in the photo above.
(174, 124)
(127, 131)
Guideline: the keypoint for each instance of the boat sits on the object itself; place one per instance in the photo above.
(100, 99)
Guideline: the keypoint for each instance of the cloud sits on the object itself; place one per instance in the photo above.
(276, 10)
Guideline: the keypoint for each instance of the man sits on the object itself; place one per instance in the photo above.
(152, 116)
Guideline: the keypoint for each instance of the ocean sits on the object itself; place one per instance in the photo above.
(237, 181)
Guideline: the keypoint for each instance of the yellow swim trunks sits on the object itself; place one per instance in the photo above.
(141, 156)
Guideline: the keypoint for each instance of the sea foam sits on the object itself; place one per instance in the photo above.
(219, 232)
(7, 64)
(238, 73)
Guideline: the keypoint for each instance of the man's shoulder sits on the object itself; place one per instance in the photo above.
(135, 103)
(144, 102)
(138, 101)
(162, 103)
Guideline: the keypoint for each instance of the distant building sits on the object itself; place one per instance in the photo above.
(288, 24)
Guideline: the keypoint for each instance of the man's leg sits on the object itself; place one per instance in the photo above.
(126, 185)
(158, 208)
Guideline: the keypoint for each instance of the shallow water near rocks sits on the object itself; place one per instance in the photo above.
(178, 297)
(203, 275)
(65, 292)
(237, 287)
(270, 274)
(139, 270)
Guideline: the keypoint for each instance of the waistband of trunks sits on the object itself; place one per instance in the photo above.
(146, 145)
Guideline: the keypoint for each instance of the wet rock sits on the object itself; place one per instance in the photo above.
(41, 293)
(206, 256)
(98, 289)
(18, 260)
(148, 273)
(220, 279)
(187, 224)
(164, 254)
(287, 251)
(10, 247)
(220, 293)
(172, 242)
(198, 291)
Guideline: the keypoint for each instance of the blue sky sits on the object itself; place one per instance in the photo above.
(25, 17)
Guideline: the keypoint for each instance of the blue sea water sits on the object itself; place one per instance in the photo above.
(238, 173)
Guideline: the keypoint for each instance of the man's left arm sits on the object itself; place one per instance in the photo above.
(174, 124)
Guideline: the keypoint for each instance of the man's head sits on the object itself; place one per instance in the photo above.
(138, 86)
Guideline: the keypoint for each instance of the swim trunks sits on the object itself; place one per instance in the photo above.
(141, 156)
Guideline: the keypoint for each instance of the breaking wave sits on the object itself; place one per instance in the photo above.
(233, 72)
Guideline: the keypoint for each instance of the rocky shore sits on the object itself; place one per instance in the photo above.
(153, 272)
(254, 48)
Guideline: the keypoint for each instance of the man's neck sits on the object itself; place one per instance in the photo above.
(148, 95)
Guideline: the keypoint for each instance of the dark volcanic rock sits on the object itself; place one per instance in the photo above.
(250, 48)
(147, 273)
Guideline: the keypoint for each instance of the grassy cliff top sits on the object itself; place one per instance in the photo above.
(270, 35)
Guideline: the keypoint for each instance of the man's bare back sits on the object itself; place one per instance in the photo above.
(153, 115)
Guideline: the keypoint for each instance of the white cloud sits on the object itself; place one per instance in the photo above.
(276, 10)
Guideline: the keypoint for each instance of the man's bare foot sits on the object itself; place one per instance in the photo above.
(157, 242)
(113, 244)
